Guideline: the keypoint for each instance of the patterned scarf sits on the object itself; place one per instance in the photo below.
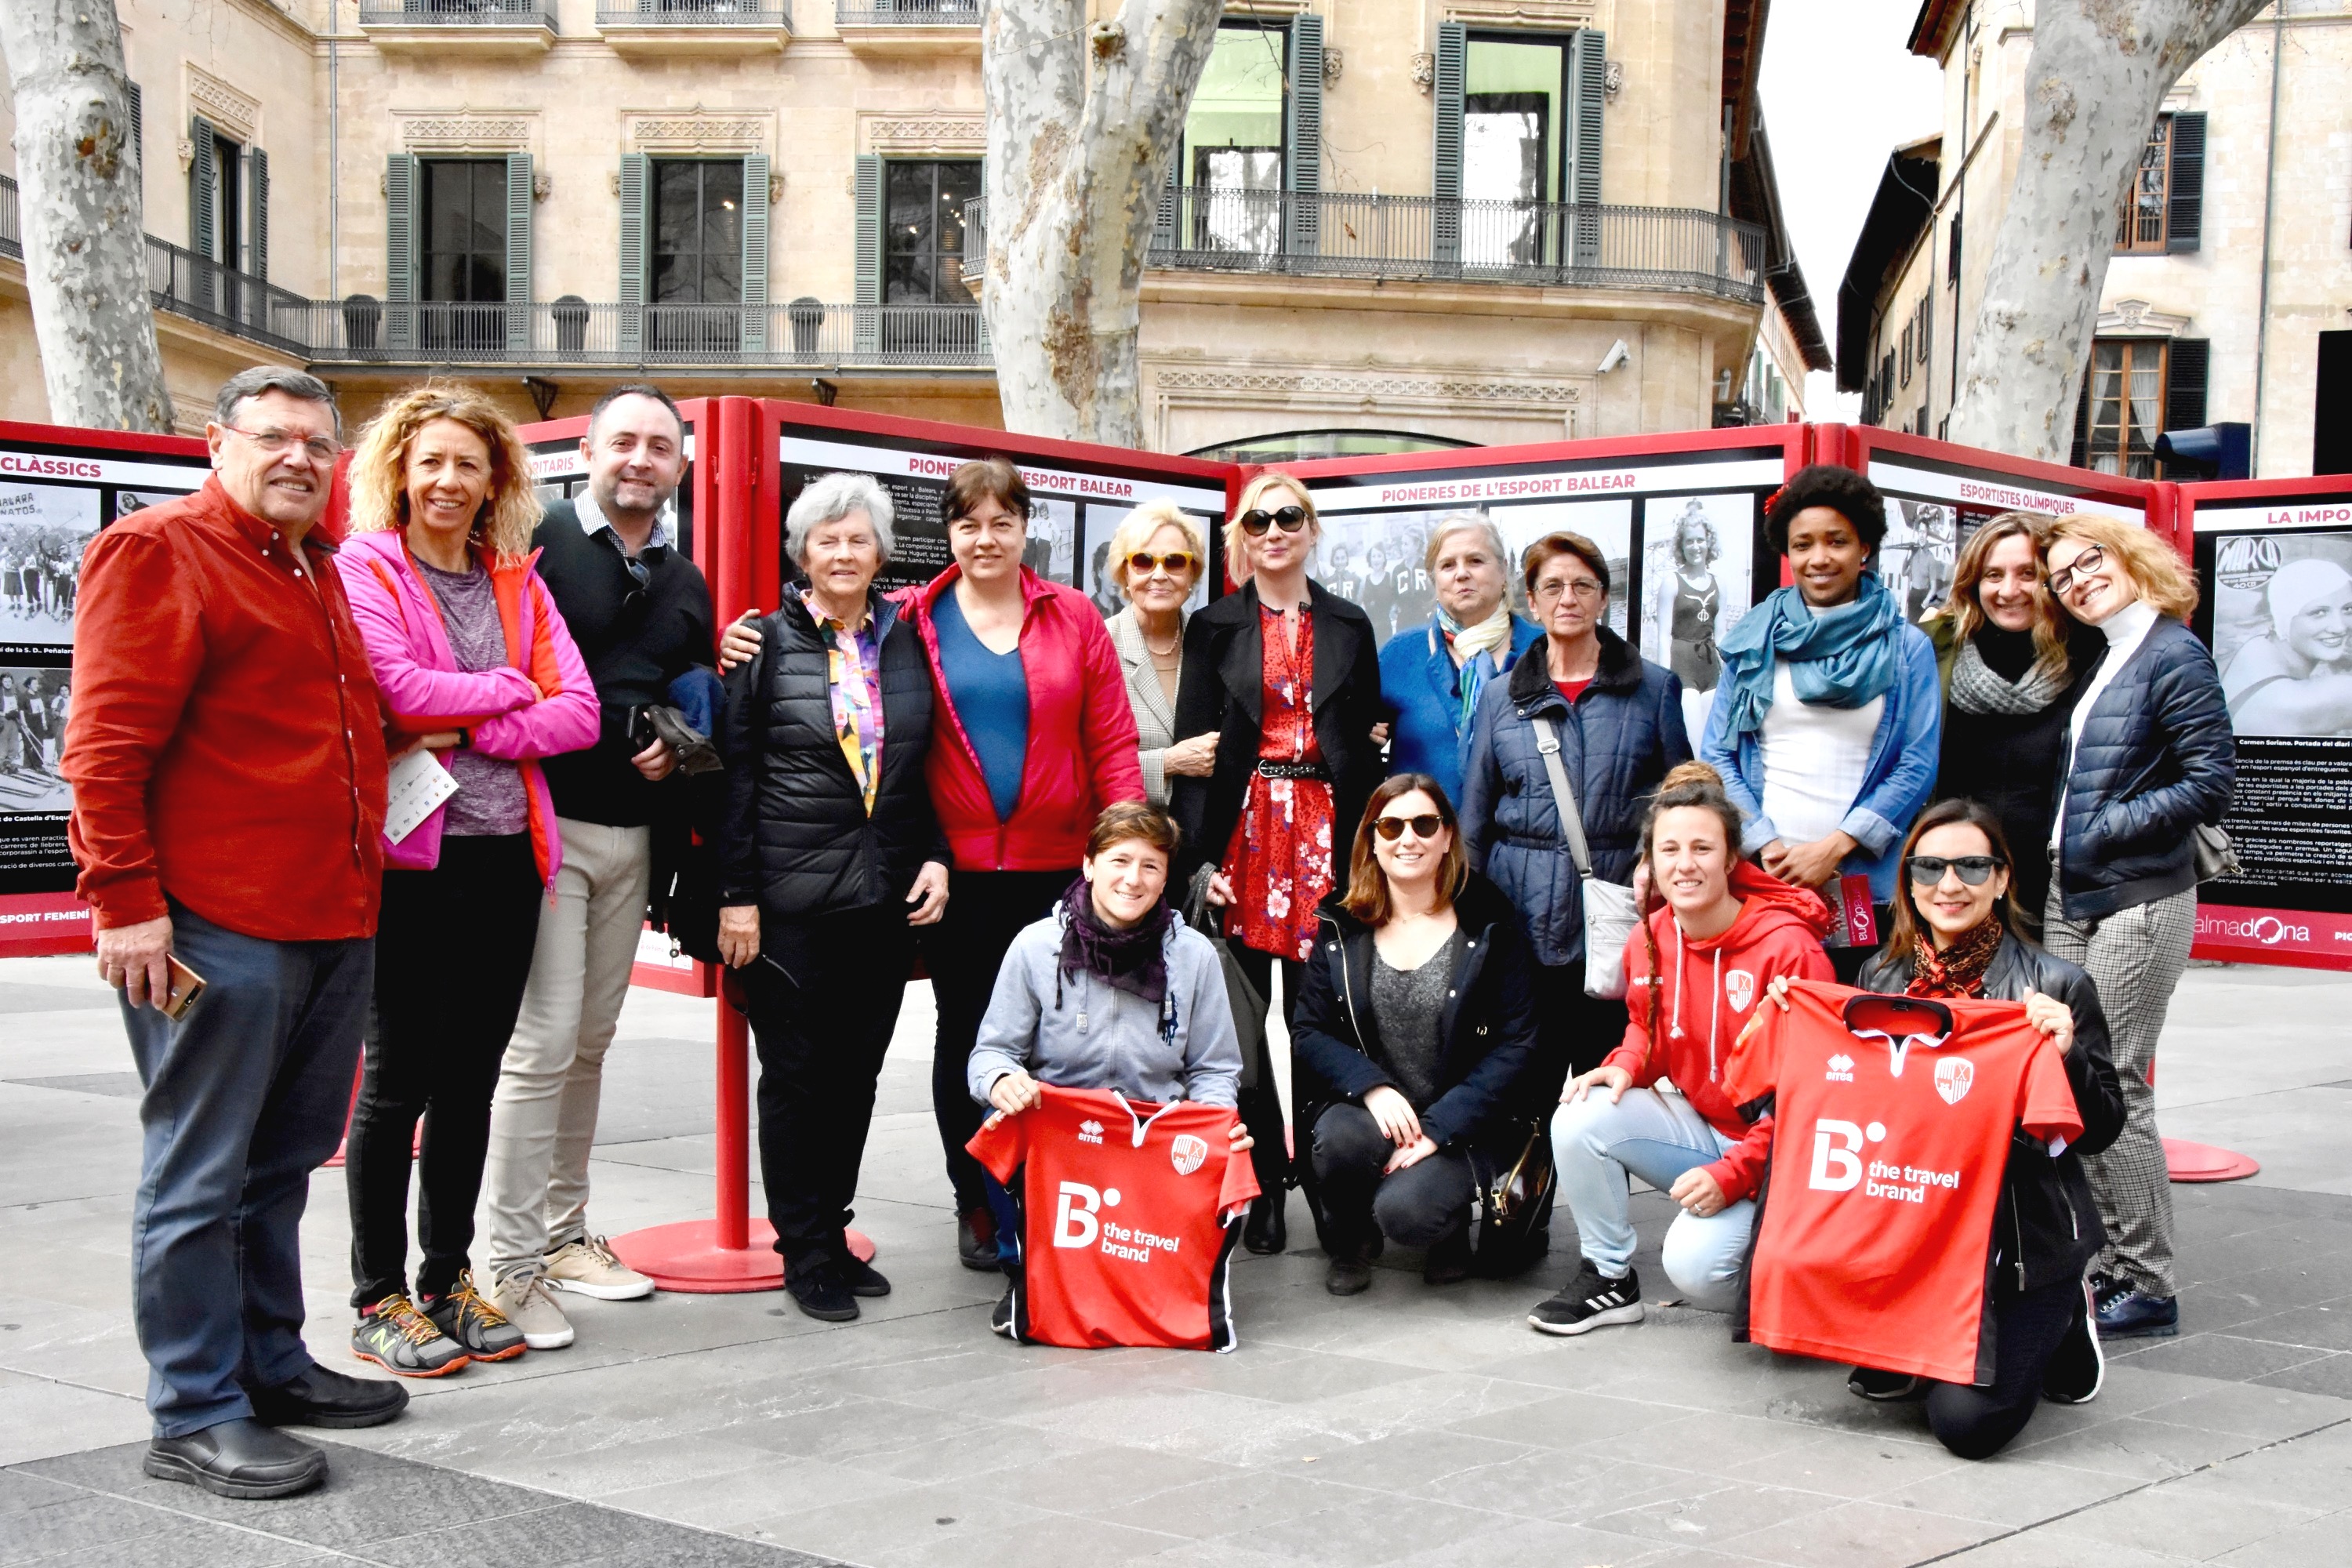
(1490, 638)
(1134, 961)
(1977, 688)
(853, 679)
(1958, 970)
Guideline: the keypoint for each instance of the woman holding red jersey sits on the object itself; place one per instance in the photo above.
(1034, 737)
(1694, 971)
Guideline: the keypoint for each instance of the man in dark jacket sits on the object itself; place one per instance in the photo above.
(640, 612)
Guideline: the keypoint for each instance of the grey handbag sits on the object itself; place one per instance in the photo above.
(1610, 914)
(2216, 855)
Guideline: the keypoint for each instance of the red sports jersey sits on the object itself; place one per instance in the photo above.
(1895, 1116)
(1131, 1210)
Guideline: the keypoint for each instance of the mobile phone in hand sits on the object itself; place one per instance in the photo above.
(186, 986)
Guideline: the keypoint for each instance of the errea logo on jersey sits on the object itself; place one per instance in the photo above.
(1841, 1068)
(1089, 1132)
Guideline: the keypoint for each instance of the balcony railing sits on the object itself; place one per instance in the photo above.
(1349, 235)
(762, 13)
(578, 332)
(11, 237)
(457, 13)
(908, 14)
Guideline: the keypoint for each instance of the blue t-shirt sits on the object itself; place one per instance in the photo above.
(991, 694)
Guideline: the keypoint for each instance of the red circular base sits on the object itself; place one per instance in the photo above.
(2186, 1161)
(687, 1258)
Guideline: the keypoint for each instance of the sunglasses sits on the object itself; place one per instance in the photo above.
(1428, 825)
(1143, 563)
(2082, 566)
(1291, 520)
(1975, 870)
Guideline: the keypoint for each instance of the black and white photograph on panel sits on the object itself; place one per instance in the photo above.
(1380, 559)
(2283, 632)
(1915, 558)
(43, 529)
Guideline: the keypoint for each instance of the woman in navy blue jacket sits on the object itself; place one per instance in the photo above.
(1620, 722)
(2151, 756)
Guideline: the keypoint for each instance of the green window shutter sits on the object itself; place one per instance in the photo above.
(1303, 134)
(204, 188)
(519, 183)
(637, 190)
(137, 126)
(400, 193)
(2186, 373)
(1446, 184)
(866, 320)
(1588, 75)
(1163, 225)
(2080, 455)
(257, 198)
(755, 256)
(2185, 220)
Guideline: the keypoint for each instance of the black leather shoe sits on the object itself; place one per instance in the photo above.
(976, 1239)
(2078, 1368)
(819, 1290)
(1266, 1231)
(238, 1459)
(1351, 1273)
(859, 1277)
(1449, 1261)
(323, 1398)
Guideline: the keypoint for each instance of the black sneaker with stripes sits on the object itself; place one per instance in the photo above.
(1592, 1300)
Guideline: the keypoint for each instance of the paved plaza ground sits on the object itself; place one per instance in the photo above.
(1410, 1425)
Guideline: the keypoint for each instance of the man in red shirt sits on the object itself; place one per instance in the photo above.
(226, 755)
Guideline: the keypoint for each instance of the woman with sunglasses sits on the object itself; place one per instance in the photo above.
(1432, 676)
(1413, 1037)
(1286, 675)
(2150, 758)
(1958, 934)
(1618, 719)
(1155, 561)
(1032, 737)
(2011, 663)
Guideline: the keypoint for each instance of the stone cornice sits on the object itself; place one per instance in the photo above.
(943, 131)
(699, 130)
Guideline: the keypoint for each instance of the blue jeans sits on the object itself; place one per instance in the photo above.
(246, 1097)
(1657, 1137)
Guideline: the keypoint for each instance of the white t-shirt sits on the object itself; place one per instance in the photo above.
(2125, 630)
(1814, 760)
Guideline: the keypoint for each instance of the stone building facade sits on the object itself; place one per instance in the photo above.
(1438, 218)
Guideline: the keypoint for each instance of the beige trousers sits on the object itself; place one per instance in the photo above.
(543, 1120)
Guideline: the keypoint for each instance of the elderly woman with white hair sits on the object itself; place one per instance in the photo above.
(1155, 560)
(2298, 679)
(1431, 675)
(830, 856)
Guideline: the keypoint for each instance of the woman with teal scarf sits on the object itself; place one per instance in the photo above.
(1827, 722)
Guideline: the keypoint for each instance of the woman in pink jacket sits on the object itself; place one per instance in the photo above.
(478, 672)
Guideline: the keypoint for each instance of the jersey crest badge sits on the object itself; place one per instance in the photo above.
(1740, 989)
(1187, 1153)
(1953, 1075)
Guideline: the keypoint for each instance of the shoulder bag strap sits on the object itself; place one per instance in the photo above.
(1571, 821)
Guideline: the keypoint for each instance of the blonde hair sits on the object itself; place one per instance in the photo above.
(1476, 523)
(1136, 529)
(1237, 538)
(1965, 610)
(510, 507)
(2154, 567)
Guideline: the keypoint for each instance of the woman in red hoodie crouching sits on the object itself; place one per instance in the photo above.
(1696, 970)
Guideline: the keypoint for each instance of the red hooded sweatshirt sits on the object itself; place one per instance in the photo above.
(1706, 993)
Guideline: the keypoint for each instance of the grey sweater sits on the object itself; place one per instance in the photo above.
(1097, 1038)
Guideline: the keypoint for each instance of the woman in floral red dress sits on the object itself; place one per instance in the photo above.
(1286, 675)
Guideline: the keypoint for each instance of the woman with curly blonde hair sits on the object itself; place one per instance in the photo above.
(476, 668)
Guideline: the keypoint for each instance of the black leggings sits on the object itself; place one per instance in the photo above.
(1261, 1102)
(452, 954)
(2028, 1327)
(986, 910)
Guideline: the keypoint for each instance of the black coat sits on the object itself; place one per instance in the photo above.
(1223, 689)
(2047, 1227)
(1489, 1025)
(796, 839)
(2156, 757)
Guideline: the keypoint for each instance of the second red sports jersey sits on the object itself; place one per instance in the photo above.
(1130, 1211)
(1895, 1116)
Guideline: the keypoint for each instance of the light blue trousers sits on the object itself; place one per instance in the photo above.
(1657, 1137)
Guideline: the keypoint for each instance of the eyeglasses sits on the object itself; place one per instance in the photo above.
(2082, 566)
(1291, 520)
(1584, 588)
(273, 442)
(1975, 870)
(1143, 563)
(1427, 824)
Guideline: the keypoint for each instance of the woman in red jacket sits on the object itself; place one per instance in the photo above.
(1694, 972)
(1032, 738)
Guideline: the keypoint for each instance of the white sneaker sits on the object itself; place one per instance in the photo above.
(590, 1267)
(522, 1298)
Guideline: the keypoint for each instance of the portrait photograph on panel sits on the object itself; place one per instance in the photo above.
(2283, 632)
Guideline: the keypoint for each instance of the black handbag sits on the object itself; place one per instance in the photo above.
(1514, 1189)
(1248, 1005)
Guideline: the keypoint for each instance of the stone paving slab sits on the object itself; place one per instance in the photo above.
(1407, 1424)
